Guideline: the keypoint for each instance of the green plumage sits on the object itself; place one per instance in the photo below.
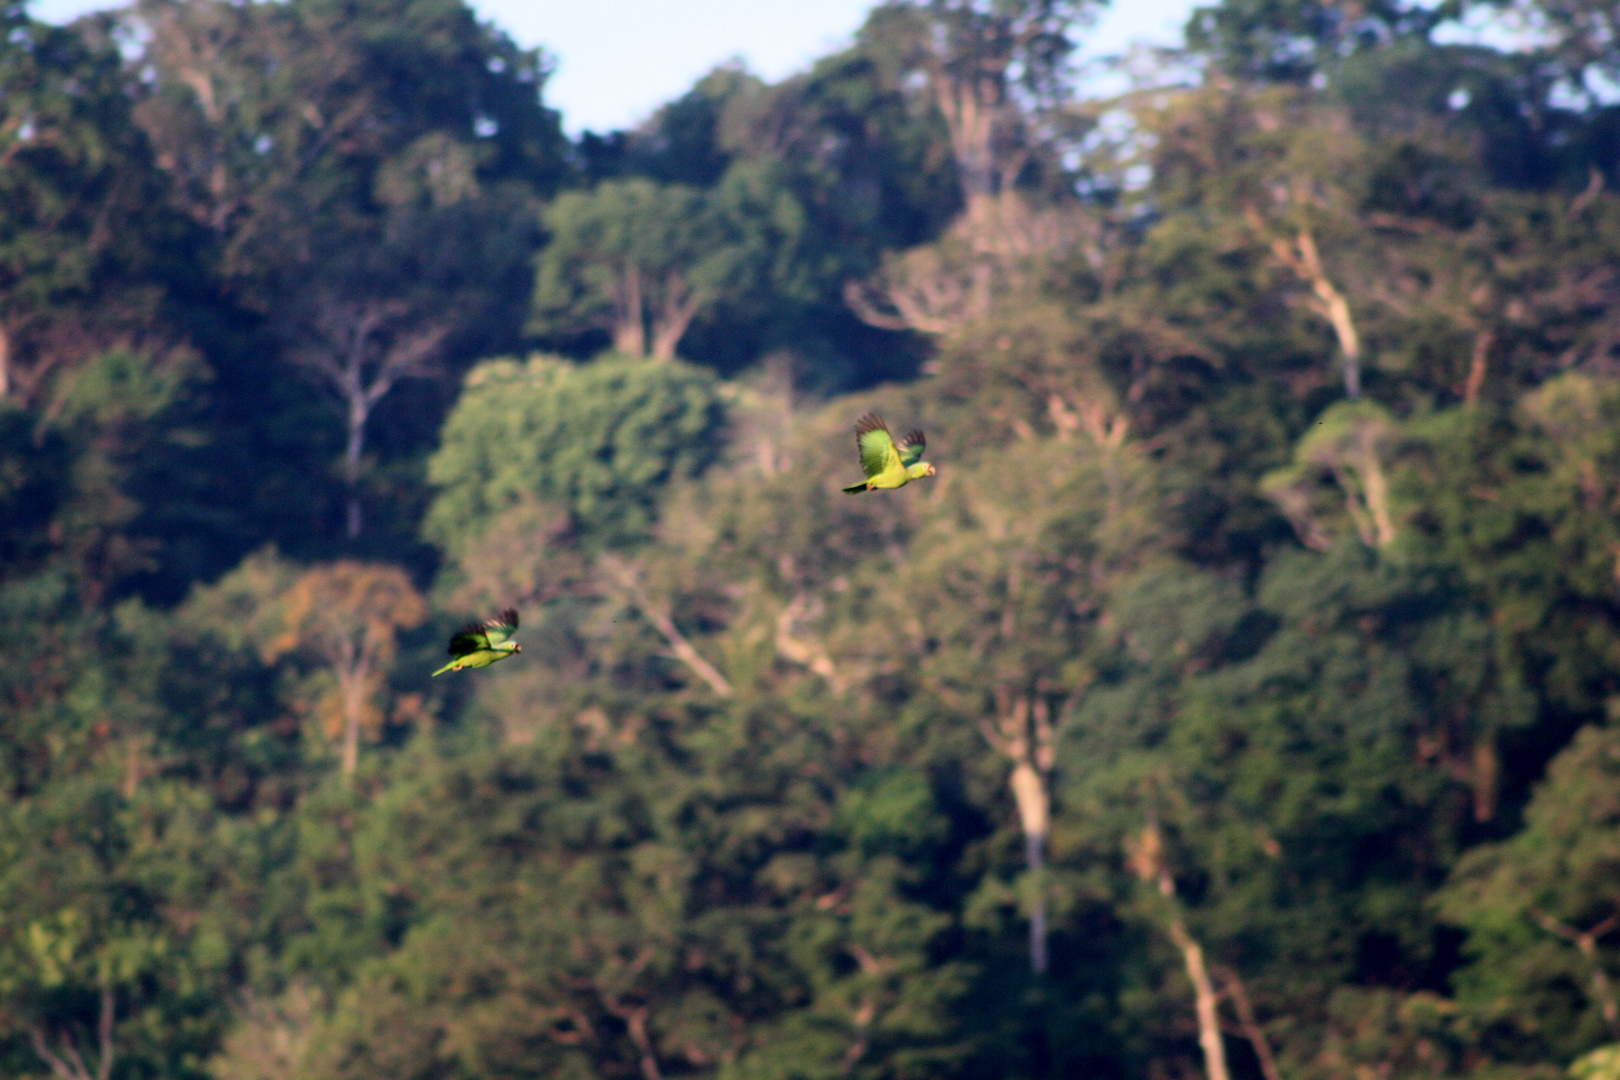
(886, 464)
(480, 644)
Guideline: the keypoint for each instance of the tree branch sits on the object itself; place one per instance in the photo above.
(625, 578)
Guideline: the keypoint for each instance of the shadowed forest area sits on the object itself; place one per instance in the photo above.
(1239, 701)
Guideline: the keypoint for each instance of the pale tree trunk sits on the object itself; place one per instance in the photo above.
(680, 306)
(1360, 475)
(361, 370)
(65, 1061)
(1209, 1026)
(5, 364)
(1330, 303)
(1023, 734)
(353, 673)
(1303, 258)
(630, 318)
(359, 413)
(1147, 858)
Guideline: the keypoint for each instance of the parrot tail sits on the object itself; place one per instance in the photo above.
(856, 489)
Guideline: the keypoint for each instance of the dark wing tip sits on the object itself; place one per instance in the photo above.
(509, 617)
(870, 422)
(465, 640)
(914, 438)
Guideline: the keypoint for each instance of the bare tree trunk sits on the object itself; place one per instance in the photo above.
(359, 413)
(630, 321)
(1304, 259)
(1023, 734)
(341, 346)
(1209, 1027)
(5, 364)
(810, 654)
(1035, 856)
(354, 670)
(669, 325)
(971, 123)
(1330, 304)
(1148, 860)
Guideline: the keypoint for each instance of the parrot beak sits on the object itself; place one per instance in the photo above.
(518, 649)
(930, 471)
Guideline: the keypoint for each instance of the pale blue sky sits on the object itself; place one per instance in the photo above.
(618, 60)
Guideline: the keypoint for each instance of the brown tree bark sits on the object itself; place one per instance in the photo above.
(1477, 362)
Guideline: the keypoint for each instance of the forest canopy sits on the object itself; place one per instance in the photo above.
(1235, 702)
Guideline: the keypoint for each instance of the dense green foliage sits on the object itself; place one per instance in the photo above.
(1238, 700)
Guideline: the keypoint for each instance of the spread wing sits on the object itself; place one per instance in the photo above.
(501, 627)
(878, 452)
(911, 448)
(476, 636)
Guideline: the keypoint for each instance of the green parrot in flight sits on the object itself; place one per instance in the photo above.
(480, 644)
(885, 464)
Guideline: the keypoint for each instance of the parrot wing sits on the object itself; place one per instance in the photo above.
(477, 636)
(911, 448)
(878, 452)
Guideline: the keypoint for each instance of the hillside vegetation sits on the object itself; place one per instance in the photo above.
(1238, 701)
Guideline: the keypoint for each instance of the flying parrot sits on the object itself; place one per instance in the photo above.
(480, 644)
(885, 464)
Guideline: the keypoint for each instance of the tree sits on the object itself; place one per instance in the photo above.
(988, 66)
(345, 616)
(359, 165)
(601, 440)
(87, 251)
(1539, 906)
(636, 258)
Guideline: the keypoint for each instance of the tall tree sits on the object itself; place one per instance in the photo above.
(87, 252)
(346, 616)
(635, 258)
